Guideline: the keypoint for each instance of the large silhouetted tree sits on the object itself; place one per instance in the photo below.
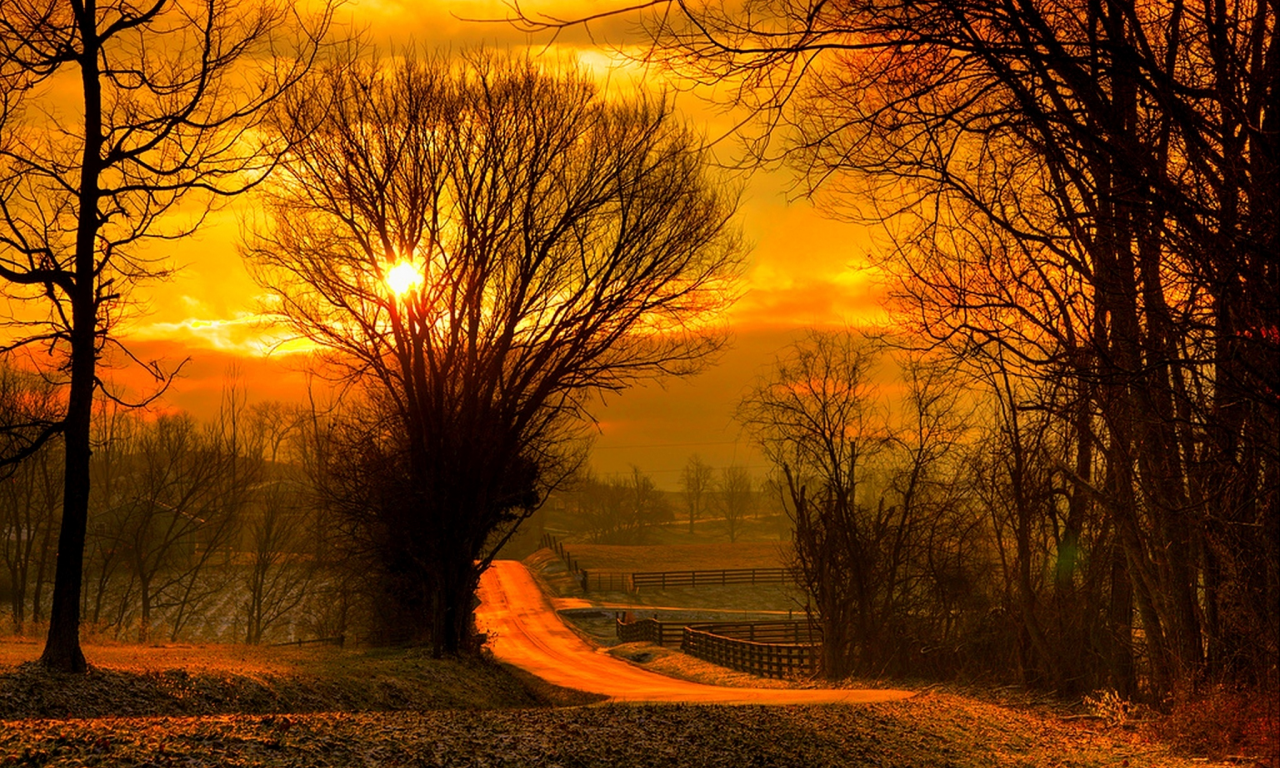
(114, 116)
(483, 243)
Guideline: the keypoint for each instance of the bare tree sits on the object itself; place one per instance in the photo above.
(697, 477)
(879, 524)
(30, 497)
(171, 96)
(735, 498)
(1090, 186)
(816, 419)
(281, 568)
(173, 497)
(482, 245)
(117, 430)
(595, 506)
(644, 507)
(282, 561)
(240, 461)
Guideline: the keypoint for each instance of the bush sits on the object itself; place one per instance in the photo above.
(1225, 722)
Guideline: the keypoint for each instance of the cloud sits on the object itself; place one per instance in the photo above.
(855, 300)
(246, 333)
(205, 373)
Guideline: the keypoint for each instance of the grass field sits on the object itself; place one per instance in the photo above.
(127, 680)
(679, 557)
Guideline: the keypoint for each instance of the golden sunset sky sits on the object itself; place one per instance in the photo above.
(803, 270)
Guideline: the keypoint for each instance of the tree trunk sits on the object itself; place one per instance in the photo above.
(62, 648)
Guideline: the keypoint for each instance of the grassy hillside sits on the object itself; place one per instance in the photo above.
(128, 680)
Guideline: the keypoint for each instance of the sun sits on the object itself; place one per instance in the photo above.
(403, 277)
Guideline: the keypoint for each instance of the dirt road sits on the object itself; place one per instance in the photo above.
(524, 630)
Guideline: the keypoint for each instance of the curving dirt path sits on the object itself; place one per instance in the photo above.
(524, 630)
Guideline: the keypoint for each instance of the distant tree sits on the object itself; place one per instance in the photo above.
(279, 529)
(595, 505)
(116, 430)
(481, 245)
(644, 506)
(735, 498)
(697, 477)
(281, 566)
(816, 419)
(879, 525)
(170, 99)
(30, 496)
(618, 509)
(174, 515)
(207, 574)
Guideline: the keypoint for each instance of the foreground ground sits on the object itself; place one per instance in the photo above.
(188, 705)
(929, 730)
(262, 706)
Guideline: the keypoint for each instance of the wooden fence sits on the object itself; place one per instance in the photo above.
(666, 579)
(671, 633)
(667, 633)
(796, 632)
(605, 581)
(613, 581)
(764, 659)
(340, 640)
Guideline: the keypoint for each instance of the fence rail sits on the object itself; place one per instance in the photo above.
(606, 581)
(671, 633)
(764, 659)
(613, 581)
(651, 631)
(795, 632)
(340, 640)
(666, 579)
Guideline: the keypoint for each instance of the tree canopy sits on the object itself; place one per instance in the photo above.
(482, 243)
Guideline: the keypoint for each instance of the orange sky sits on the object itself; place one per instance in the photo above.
(803, 270)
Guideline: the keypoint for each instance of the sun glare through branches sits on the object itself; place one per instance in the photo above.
(403, 277)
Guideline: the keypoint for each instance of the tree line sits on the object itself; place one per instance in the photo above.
(627, 508)
(197, 530)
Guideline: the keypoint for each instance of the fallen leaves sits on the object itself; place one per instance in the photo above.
(931, 730)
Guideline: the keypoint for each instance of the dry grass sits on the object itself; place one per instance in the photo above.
(1223, 722)
(193, 657)
(209, 679)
